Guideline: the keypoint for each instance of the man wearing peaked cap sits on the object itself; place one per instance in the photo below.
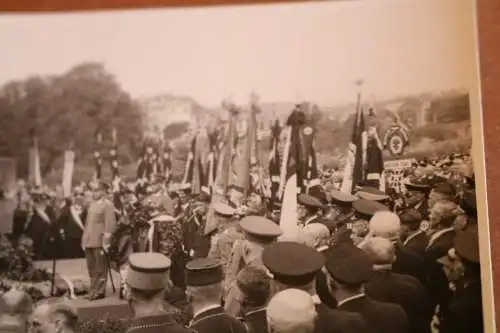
(295, 265)
(147, 280)
(308, 209)
(464, 311)
(348, 268)
(372, 194)
(343, 205)
(259, 233)
(365, 209)
(204, 285)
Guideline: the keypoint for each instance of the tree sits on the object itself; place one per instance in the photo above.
(68, 109)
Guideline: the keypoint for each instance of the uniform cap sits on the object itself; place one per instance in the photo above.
(365, 209)
(467, 245)
(385, 224)
(309, 201)
(292, 263)
(224, 209)
(260, 226)
(348, 264)
(203, 272)
(340, 197)
(289, 308)
(372, 194)
(148, 271)
(410, 216)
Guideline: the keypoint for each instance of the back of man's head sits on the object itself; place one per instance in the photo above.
(386, 225)
(64, 315)
(291, 311)
(15, 308)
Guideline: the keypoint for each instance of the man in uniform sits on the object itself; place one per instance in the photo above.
(96, 240)
(147, 280)
(348, 268)
(413, 237)
(204, 286)
(296, 266)
(372, 194)
(309, 209)
(342, 204)
(364, 210)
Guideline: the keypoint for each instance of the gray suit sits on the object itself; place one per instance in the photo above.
(99, 226)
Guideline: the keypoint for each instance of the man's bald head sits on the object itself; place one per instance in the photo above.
(15, 302)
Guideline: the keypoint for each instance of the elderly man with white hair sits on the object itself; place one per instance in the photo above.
(387, 225)
(391, 287)
(291, 311)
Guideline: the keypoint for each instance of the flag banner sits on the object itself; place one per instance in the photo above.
(67, 178)
(200, 161)
(97, 157)
(374, 160)
(212, 159)
(245, 150)
(292, 173)
(189, 166)
(274, 161)
(113, 156)
(354, 166)
(8, 176)
(220, 188)
(311, 174)
(167, 163)
(34, 171)
(289, 220)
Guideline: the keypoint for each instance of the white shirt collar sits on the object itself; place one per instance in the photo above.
(438, 234)
(306, 222)
(413, 235)
(350, 299)
(206, 308)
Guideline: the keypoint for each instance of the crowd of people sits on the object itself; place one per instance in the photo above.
(368, 261)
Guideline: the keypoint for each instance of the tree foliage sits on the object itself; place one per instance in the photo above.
(66, 110)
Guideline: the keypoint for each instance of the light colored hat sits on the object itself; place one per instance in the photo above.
(291, 308)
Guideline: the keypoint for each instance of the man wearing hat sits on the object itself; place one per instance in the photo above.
(464, 313)
(259, 233)
(348, 269)
(147, 280)
(204, 286)
(309, 209)
(372, 194)
(342, 204)
(364, 210)
(223, 233)
(417, 196)
(96, 240)
(296, 266)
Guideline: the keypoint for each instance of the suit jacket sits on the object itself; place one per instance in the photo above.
(416, 242)
(216, 320)
(337, 321)
(68, 221)
(380, 317)
(464, 314)
(439, 244)
(101, 219)
(42, 229)
(157, 324)
(409, 262)
(256, 321)
(404, 290)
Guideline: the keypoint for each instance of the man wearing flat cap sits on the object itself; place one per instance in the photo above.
(204, 287)
(464, 312)
(296, 266)
(96, 240)
(348, 269)
(309, 209)
(146, 281)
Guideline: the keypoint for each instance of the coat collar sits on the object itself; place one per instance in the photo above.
(206, 313)
(412, 236)
(439, 234)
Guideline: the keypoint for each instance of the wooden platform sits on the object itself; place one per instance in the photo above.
(111, 306)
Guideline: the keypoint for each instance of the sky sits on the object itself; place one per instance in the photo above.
(285, 52)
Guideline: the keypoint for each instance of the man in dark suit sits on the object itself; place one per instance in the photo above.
(96, 241)
(348, 270)
(71, 221)
(204, 278)
(146, 281)
(390, 287)
(299, 272)
(412, 236)
(464, 313)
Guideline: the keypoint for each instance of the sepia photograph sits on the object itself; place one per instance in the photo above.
(278, 168)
